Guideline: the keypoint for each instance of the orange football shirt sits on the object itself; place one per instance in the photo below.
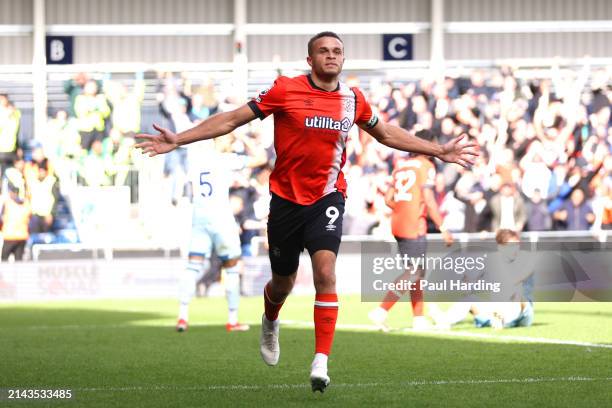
(410, 177)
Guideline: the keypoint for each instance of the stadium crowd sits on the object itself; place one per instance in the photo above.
(545, 162)
(546, 144)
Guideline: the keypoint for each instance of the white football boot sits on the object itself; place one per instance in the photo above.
(319, 380)
(378, 316)
(268, 342)
(421, 323)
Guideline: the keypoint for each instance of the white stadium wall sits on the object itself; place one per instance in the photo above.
(527, 45)
(261, 48)
(337, 11)
(153, 49)
(139, 11)
(474, 29)
(357, 47)
(517, 15)
(150, 49)
(15, 49)
(526, 10)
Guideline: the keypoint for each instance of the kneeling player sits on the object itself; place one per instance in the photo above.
(517, 276)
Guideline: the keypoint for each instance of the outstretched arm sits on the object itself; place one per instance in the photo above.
(215, 126)
(398, 138)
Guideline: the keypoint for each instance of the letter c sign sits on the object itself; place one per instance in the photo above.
(397, 47)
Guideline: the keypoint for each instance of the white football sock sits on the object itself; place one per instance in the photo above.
(320, 360)
(187, 285)
(232, 317)
(184, 311)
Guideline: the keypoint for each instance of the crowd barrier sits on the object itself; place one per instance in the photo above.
(78, 271)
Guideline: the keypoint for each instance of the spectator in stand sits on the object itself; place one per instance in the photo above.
(95, 169)
(126, 114)
(36, 160)
(204, 101)
(261, 183)
(606, 190)
(477, 209)
(175, 106)
(14, 176)
(62, 145)
(576, 214)
(536, 174)
(606, 222)
(546, 137)
(243, 191)
(543, 137)
(62, 139)
(241, 202)
(454, 220)
(91, 109)
(10, 121)
(44, 195)
(508, 209)
(451, 209)
(538, 217)
(15, 216)
(74, 87)
(117, 149)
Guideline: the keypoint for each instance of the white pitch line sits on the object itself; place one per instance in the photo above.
(110, 326)
(526, 339)
(361, 327)
(344, 385)
(450, 333)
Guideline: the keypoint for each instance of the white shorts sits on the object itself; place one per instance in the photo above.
(223, 237)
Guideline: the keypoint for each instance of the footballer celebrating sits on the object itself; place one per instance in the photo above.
(312, 117)
(411, 199)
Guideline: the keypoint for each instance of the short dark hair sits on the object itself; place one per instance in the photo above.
(321, 35)
(504, 236)
(44, 164)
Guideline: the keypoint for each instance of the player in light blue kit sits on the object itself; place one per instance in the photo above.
(515, 272)
(213, 225)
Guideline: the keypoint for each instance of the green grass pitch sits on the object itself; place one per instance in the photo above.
(127, 354)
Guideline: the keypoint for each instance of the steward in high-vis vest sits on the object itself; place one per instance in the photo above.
(10, 119)
(44, 194)
(15, 216)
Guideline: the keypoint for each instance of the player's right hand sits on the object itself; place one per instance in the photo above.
(164, 142)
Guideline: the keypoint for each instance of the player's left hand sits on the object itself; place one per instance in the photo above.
(464, 154)
(448, 238)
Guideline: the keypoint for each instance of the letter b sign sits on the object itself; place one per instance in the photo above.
(59, 50)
